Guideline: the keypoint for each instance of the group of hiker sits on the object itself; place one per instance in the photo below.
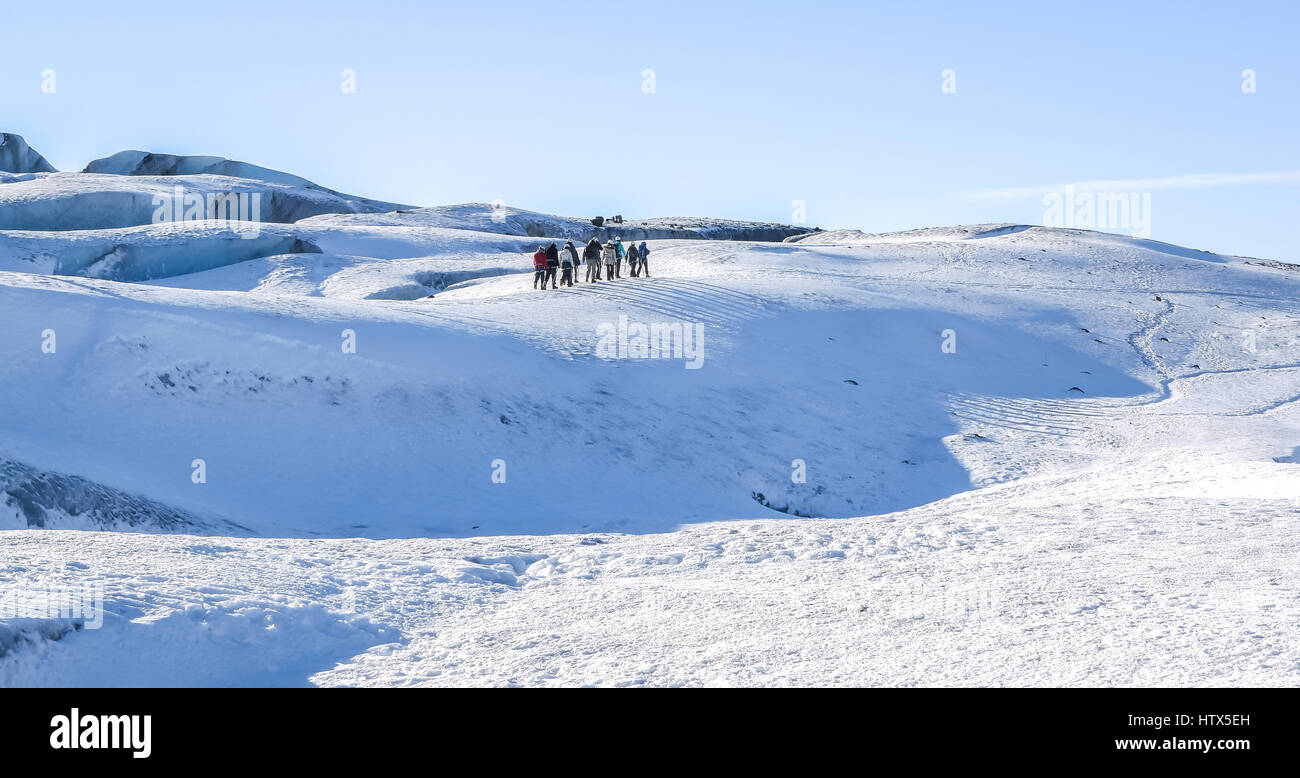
(610, 256)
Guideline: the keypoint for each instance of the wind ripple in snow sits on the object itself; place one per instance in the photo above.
(685, 299)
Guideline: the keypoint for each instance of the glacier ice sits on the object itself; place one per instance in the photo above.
(145, 163)
(145, 253)
(41, 499)
(93, 201)
(17, 157)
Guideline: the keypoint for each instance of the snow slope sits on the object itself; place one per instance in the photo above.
(1097, 486)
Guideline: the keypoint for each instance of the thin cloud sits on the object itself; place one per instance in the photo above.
(1190, 181)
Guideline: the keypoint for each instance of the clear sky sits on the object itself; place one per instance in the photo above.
(755, 105)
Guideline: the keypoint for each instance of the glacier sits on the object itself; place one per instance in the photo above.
(992, 454)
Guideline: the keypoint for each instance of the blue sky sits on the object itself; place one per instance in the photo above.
(755, 105)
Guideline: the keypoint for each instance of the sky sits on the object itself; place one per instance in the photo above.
(876, 116)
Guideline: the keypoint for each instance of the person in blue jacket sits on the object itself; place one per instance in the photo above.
(620, 254)
(645, 253)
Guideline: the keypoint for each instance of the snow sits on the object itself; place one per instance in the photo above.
(1098, 487)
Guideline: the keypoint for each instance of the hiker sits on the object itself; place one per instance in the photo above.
(591, 255)
(645, 253)
(568, 261)
(620, 254)
(573, 254)
(539, 267)
(610, 256)
(632, 256)
(552, 264)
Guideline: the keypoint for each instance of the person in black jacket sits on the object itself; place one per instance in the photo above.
(632, 257)
(552, 264)
(591, 254)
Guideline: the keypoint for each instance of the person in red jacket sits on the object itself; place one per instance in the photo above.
(539, 267)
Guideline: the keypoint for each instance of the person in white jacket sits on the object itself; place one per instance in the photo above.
(568, 264)
(610, 255)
